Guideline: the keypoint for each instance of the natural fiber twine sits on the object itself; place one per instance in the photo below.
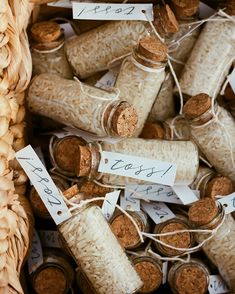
(16, 218)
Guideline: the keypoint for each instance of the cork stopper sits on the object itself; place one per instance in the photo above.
(228, 93)
(152, 49)
(229, 5)
(150, 274)
(125, 231)
(124, 120)
(50, 280)
(191, 279)
(219, 185)
(37, 205)
(45, 32)
(83, 162)
(165, 20)
(196, 106)
(153, 131)
(203, 212)
(90, 188)
(180, 240)
(185, 8)
(65, 152)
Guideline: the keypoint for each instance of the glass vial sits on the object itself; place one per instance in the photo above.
(47, 49)
(189, 277)
(183, 153)
(180, 240)
(88, 108)
(98, 253)
(213, 130)
(210, 59)
(208, 214)
(150, 272)
(55, 275)
(124, 229)
(141, 75)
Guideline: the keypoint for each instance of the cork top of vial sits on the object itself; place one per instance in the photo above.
(46, 31)
(153, 131)
(196, 106)
(219, 185)
(153, 49)
(185, 8)
(203, 211)
(165, 20)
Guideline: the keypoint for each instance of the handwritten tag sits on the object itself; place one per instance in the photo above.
(109, 204)
(90, 137)
(231, 79)
(62, 3)
(128, 202)
(156, 192)
(228, 203)
(43, 184)
(111, 11)
(158, 211)
(205, 11)
(164, 272)
(36, 256)
(217, 285)
(49, 239)
(107, 81)
(140, 168)
(185, 194)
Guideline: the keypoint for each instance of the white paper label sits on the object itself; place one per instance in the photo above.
(90, 137)
(111, 11)
(159, 193)
(68, 30)
(62, 3)
(205, 11)
(164, 272)
(43, 184)
(231, 79)
(158, 211)
(107, 81)
(185, 194)
(49, 239)
(140, 168)
(109, 204)
(217, 285)
(36, 256)
(128, 202)
(228, 203)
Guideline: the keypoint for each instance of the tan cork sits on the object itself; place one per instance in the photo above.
(153, 131)
(185, 8)
(83, 161)
(153, 49)
(197, 105)
(219, 185)
(203, 211)
(46, 31)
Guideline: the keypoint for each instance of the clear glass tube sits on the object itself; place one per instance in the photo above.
(98, 253)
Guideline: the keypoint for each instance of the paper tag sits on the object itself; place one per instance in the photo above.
(205, 11)
(228, 203)
(159, 193)
(231, 79)
(68, 30)
(36, 256)
(140, 168)
(49, 239)
(90, 137)
(111, 11)
(62, 3)
(128, 202)
(158, 211)
(107, 81)
(109, 204)
(217, 285)
(164, 272)
(43, 184)
(185, 194)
